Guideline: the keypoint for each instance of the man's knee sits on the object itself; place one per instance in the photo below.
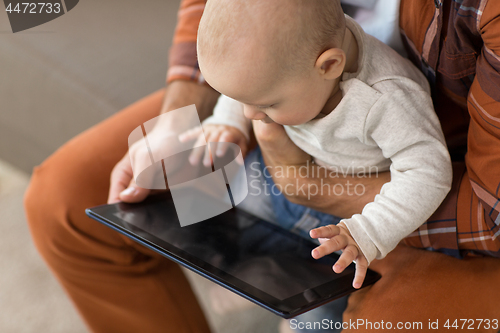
(55, 203)
(44, 209)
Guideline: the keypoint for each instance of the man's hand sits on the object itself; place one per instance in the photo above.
(123, 187)
(337, 237)
(280, 153)
(276, 146)
(178, 94)
(213, 133)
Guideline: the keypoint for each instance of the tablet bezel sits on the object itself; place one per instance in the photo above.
(287, 308)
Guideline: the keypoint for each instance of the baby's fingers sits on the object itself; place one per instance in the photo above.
(227, 136)
(197, 153)
(359, 275)
(328, 231)
(222, 146)
(190, 134)
(212, 137)
(330, 246)
(349, 254)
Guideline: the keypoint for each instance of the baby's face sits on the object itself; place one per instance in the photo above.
(290, 100)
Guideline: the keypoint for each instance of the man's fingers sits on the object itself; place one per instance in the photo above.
(330, 246)
(327, 231)
(273, 139)
(134, 193)
(359, 275)
(270, 133)
(123, 187)
(120, 179)
(276, 146)
(349, 254)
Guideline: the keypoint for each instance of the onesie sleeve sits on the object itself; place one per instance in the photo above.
(404, 125)
(229, 112)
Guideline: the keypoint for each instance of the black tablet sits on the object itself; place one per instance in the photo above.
(247, 255)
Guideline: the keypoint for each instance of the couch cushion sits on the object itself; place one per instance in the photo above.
(63, 76)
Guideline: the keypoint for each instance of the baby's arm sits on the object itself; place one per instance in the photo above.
(404, 125)
(227, 124)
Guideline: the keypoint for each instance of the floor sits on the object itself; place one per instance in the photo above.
(31, 299)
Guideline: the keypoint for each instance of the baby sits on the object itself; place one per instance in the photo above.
(343, 97)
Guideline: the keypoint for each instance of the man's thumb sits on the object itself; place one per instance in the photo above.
(270, 136)
(134, 194)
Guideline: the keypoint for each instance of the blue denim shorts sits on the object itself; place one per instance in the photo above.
(294, 217)
(300, 220)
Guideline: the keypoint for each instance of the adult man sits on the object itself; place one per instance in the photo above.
(118, 286)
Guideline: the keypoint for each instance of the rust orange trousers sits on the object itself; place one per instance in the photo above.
(120, 286)
(116, 284)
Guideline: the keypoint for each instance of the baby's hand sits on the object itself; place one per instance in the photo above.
(213, 133)
(337, 237)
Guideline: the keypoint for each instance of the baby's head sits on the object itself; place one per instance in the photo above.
(280, 58)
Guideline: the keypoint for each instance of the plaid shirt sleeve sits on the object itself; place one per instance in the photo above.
(482, 184)
(183, 64)
(468, 221)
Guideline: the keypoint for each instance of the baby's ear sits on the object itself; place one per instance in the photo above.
(331, 63)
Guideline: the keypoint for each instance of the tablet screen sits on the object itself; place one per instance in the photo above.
(243, 246)
(249, 255)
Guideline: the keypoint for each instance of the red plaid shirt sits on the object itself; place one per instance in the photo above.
(456, 44)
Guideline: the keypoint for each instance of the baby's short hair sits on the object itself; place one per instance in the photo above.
(305, 28)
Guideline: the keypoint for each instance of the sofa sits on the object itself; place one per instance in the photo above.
(62, 77)
(66, 75)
